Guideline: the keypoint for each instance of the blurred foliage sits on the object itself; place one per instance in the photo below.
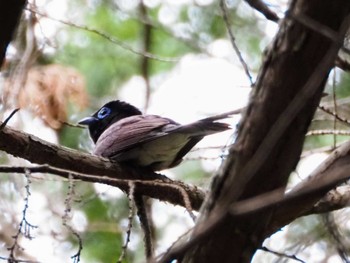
(178, 29)
(101, 246)
(308, 234)
(103, 236)
(324, 121)
(319, 141)
(191, 172)
(107, 66)
(342, 89)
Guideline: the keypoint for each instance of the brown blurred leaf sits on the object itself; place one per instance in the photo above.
(48, 90)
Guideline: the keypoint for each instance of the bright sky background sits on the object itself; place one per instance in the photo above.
(197, 87)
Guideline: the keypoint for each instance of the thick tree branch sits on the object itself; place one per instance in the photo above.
(64, 162)
(330, 173)
(272, 131)
(335, 199)
(10, 13)
(319, 183)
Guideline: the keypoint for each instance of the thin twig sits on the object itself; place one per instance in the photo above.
(130, 218)
(203, 158)
(24, 226)
(324, 109)
(2, 126)
(167, 183)
(106, 36)
(328, 132)
(279, 254)
(145, 225)
(187, 202)
(189, 42)
(18, 260)
(209, 148)
(65, 217)
(233, 41)
(334, 106)
(72, 125)
(147, 45)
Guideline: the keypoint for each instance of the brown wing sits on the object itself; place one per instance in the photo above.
(131, 132)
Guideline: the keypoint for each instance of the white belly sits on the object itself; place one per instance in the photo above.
(162, 151)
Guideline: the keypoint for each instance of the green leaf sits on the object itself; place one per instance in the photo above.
(102, 246)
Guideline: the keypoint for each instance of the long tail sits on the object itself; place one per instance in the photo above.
(206, 126)
(223, 115)
(209, 125)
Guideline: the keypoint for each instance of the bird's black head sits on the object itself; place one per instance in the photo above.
(110, 113)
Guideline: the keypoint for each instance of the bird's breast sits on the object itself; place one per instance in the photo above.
(158, 154)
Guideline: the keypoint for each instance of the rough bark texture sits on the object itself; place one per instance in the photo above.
(271, 135)
(330, 173)
(155, 185)
(268, 146)
(10, 13)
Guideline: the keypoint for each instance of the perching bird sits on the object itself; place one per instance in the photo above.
(122, 133)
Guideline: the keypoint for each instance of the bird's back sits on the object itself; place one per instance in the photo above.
(152, 141)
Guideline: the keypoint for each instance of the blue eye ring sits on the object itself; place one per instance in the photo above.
(103, 113)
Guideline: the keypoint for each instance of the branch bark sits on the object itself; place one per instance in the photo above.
(268, 146)
(69, 161)
(335, 199)
(272, 132)
(10, 13)
(328, 175)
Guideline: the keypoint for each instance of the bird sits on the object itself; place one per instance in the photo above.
(122, 133)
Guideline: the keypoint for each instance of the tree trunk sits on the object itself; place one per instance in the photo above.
(10, 13)
(272, 131)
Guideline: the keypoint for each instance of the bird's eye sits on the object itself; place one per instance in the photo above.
(104, 112)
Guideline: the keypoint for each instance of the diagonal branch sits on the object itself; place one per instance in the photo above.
(329, 174)
(63, 161)
(333, 172)
(233, 41)
(106, 36)
(261, 7)
(147, 46)
(335, 199)
(270, 136)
